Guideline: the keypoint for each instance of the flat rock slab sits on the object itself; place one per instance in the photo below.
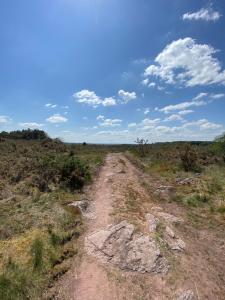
(120, 246)
(168, 218)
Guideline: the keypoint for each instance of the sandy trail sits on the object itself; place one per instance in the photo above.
(118, 187)
(91, 280)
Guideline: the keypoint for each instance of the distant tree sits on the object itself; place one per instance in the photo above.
(25, 134)
(143, 146)
(84, 144)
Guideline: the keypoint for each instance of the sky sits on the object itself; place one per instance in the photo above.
(109, 71)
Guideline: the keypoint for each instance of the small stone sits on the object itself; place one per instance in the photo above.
(170, 232)
(168, 218)
(85, 208)
(177, 244)
(185, 181)
(152, 222)
(186, 295)
(165, 191)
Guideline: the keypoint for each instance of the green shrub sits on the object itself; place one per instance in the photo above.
(37, 249)
(196, 200)
(221, 209)
(55, 239)
(15, 284)
(75, 173)
(189, 159)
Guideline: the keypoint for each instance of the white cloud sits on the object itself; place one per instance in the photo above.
(131, 125)
(146, 111)
(4, 120)
(57, 118)
(175, 117)
(152, 84)
(181, 106)
(110, 123)
(100, 117)
(127, 96)
(50, 105)
(185, 112)
(145, 81)
(200, 96)
(88, 97)
(204, 14)
(203, 124)
(31, 125)
(217, 96)
(147, 123)
(186, 62)
(109, 101)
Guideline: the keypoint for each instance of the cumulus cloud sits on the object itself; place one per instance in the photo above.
(145, 81)
(109, 101)
(203, 124)
(127, 96)
(110, 123)
(152, 84)
(57, 118)
(187, 63)
(31, 125)
(92, 99)
(204, 14)
(88, 97)
(174, 117)
(4, 120)
(100, 117)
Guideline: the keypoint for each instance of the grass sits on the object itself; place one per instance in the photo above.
(38, 230)
(164, 162)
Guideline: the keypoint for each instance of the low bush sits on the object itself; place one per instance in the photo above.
(189, 159)
(196, 200)
(75, 173)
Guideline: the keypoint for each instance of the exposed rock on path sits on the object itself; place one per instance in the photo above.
(120, 246)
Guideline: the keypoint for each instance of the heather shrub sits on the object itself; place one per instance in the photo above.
(75, 173)
(189, 159)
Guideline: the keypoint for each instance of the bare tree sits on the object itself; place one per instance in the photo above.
(142, 146)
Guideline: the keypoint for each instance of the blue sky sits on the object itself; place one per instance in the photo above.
(113, 70)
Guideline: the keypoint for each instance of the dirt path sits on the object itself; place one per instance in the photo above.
(119, 194)
(91, 281)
